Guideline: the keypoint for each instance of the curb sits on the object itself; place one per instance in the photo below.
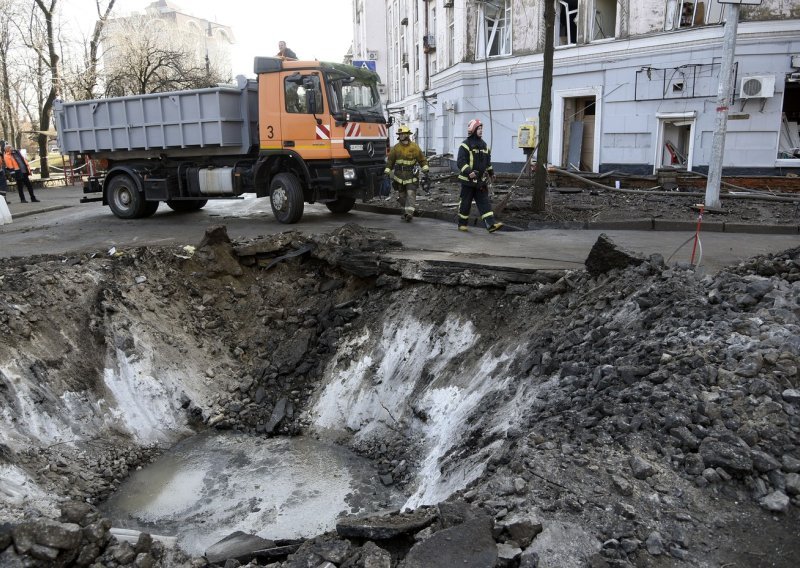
(37, 211)
(643, 224)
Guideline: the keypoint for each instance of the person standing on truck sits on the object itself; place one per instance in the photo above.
(284, 52)
(475, 172)
(17, 165)
(401, 169)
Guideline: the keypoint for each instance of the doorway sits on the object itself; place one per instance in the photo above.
(578, 129)
(675, 144)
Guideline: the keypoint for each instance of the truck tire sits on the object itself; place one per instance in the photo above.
(125, 199)
(182, 206)
(286, 198)
(341, 205)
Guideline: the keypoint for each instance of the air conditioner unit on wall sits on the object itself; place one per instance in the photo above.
(757, 87)
(372, 55)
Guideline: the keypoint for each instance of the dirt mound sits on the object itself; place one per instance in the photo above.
(631, 416)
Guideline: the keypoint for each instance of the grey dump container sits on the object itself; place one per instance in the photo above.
(218, 120)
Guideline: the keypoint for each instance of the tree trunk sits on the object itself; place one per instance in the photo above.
(540, 174)
(47, 106)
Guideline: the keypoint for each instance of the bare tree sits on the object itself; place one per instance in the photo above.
(149, 56)
(9, 122)
(86, 81)
(42, 39)
(543, 147)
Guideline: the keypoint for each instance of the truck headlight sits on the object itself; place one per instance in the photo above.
(349, 174)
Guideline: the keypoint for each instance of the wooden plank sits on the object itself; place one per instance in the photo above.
(575, 145)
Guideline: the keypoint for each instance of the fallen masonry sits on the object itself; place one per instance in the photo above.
(630, 414)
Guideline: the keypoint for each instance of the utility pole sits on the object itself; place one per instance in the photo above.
(724, 100)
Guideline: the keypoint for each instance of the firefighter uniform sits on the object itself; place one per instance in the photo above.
(475, 157)
(400, 166)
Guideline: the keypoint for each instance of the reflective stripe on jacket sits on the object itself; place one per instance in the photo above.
(473, 156)
(401, 161)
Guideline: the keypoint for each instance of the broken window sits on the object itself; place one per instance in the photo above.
(494, 28)
(691, 13)
(604, 25)
(566, 22)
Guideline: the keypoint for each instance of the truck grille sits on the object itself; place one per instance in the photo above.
(366, 150)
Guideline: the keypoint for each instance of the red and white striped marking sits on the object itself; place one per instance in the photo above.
(323, 132)
(382, 130)
(352, 130)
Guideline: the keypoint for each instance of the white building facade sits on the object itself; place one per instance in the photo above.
(634, 87)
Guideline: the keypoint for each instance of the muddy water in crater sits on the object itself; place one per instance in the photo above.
(213, 484)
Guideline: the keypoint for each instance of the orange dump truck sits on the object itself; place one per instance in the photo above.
(302, 132)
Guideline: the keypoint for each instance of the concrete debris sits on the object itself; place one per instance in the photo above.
(237, 545)
(606, 255)
(385, 527)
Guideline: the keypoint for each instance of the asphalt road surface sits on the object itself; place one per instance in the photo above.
(91, 227)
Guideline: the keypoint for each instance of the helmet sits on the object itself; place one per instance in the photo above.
(403, 130)
(473, 126)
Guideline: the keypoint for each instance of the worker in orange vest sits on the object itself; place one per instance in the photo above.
(18, 166)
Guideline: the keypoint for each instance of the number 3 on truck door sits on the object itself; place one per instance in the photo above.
(270, 132)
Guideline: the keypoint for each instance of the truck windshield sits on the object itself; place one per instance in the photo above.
(356, 96)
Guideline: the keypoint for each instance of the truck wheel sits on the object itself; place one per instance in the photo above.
(125, 199)
(182, 206)
(286, 197)
(341, 205)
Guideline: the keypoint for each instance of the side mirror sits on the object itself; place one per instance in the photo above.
(390, 121)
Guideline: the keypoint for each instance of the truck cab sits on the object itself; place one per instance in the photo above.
(323, 124)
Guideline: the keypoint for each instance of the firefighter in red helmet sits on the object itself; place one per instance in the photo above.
(475, 172)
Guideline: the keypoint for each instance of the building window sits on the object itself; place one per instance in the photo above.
(604, 25)
(451, 37)
(691, 13)
(567, 22)
(494, 29)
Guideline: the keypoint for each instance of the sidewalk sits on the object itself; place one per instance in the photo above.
(50, 199)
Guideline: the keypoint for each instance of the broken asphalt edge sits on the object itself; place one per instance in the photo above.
(642, 224)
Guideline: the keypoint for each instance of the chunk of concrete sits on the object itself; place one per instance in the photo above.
(236, 545)
(469, 545)
(564, 545)
(386, 526)
(606, 255)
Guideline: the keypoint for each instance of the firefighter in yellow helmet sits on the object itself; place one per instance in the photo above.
(401, 169)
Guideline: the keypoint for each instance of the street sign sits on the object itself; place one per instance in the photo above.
(365, 64)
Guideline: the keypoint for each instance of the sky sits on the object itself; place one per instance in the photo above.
(314, 29)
